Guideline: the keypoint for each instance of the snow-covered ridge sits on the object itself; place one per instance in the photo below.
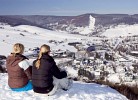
(73, 24)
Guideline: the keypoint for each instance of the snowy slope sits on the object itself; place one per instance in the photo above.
(91, 23)
(79, 91)
(89, 29)
(121, 30)
(31, 37)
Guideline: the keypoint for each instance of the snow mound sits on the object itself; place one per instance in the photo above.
(79, 91)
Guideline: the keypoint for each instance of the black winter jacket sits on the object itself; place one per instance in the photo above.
(42, 78)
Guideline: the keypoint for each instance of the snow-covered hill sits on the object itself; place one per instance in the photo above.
(79, 91)
(121, 30)
(32, 37)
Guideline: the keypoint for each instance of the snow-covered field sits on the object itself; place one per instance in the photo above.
(31, 37)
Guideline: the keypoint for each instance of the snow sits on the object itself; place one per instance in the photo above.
(136, 52)
(10, 35)
(92, 23)
(79, 91)
(114, 78)
(32, 37)
(88, 29)
(72, 72)
(123, 60)
(122, 30)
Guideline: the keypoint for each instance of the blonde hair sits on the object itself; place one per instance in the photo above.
(44, 49)
(18, 48)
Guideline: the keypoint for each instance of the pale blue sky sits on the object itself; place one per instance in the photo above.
(67, 7)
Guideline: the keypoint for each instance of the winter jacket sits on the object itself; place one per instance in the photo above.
(42, 78)
(17, 76)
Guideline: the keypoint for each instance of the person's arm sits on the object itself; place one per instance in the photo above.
(27, 68)
(28, 72)
(56, 72)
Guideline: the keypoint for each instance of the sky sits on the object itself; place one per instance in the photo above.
(67, 7)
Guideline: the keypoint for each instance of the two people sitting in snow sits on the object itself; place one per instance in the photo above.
(43, 76)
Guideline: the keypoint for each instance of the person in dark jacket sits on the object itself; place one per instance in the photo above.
(46, 76)
(19, 73)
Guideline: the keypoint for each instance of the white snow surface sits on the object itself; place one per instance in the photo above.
(79, 91)
(121, 30)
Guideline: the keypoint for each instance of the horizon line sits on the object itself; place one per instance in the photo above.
(65, 15)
